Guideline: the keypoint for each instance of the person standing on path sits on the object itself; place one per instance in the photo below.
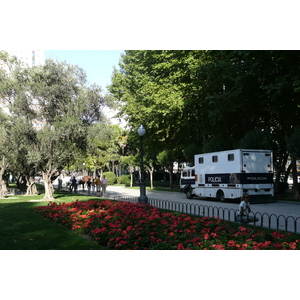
(104, 183)
(98, 185)
(89, 184)
(93, 185)
(73, 186)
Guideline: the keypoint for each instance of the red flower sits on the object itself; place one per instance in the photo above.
(116, 224)
(206, 236)
(218, 247)
(180, 246)
(231, 243)
(196, 239)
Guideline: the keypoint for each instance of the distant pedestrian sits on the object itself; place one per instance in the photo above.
(73, 184)
(59, 184)
(98, 185)
(89, 184)
(93, 186)
(104, 183)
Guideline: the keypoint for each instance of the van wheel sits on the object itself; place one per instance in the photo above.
(189, 194)
(220, 196)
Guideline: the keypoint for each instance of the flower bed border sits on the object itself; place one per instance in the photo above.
(126, 225)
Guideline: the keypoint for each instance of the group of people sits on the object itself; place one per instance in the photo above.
(95, 185)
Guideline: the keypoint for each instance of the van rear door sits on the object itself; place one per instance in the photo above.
(257, 162)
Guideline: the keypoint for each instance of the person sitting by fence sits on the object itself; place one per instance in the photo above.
(244, 210)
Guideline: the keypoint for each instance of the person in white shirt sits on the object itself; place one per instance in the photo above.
(244, 210)
(104, 184)
(244, 207)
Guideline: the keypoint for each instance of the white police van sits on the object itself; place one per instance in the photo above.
(228, 174)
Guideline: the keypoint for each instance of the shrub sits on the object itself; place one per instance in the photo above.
(124, 179)
(111, 177)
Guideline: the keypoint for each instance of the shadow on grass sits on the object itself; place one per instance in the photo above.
(23, 229)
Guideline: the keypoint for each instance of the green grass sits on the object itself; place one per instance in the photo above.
(23, 229)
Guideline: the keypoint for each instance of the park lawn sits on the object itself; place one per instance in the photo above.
(23, 229)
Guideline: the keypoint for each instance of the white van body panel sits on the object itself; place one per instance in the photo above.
(228, 174)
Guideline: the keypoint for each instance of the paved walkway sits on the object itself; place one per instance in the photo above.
(278, 208)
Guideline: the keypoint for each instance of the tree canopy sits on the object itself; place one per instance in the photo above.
(211, 100)
(53, 106)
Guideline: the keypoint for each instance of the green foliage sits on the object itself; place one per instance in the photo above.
(216, 143)
(216, 100)
(256, 140)
(123, 179)
(111, 177)
(189, 151)
(58, 96)
(165, 157)
(293, 143)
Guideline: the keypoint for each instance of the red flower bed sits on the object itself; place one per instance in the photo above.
(123, 225)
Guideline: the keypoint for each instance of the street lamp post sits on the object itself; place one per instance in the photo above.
(143, 198)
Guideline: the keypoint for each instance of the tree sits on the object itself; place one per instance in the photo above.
(130, 162)
(213, 99)
(56, 96)
(99, 136)
(5, 148)
(166, 159)
(20, 131)
(293, 145)
(152, 98)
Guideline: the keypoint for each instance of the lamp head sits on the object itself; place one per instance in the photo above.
(141, 131)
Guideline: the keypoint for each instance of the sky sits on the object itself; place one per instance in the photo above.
(98, 64)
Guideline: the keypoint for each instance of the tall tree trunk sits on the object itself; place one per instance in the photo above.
(131, 179)
(31, 187)
(171, 175)
(48, 187)
(95, 170)
(295, 178)
(151, 170)
(280, 171)
(3, 187)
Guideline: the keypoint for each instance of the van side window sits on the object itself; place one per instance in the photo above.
(215, 158)
(231, 157)
(201, 160)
